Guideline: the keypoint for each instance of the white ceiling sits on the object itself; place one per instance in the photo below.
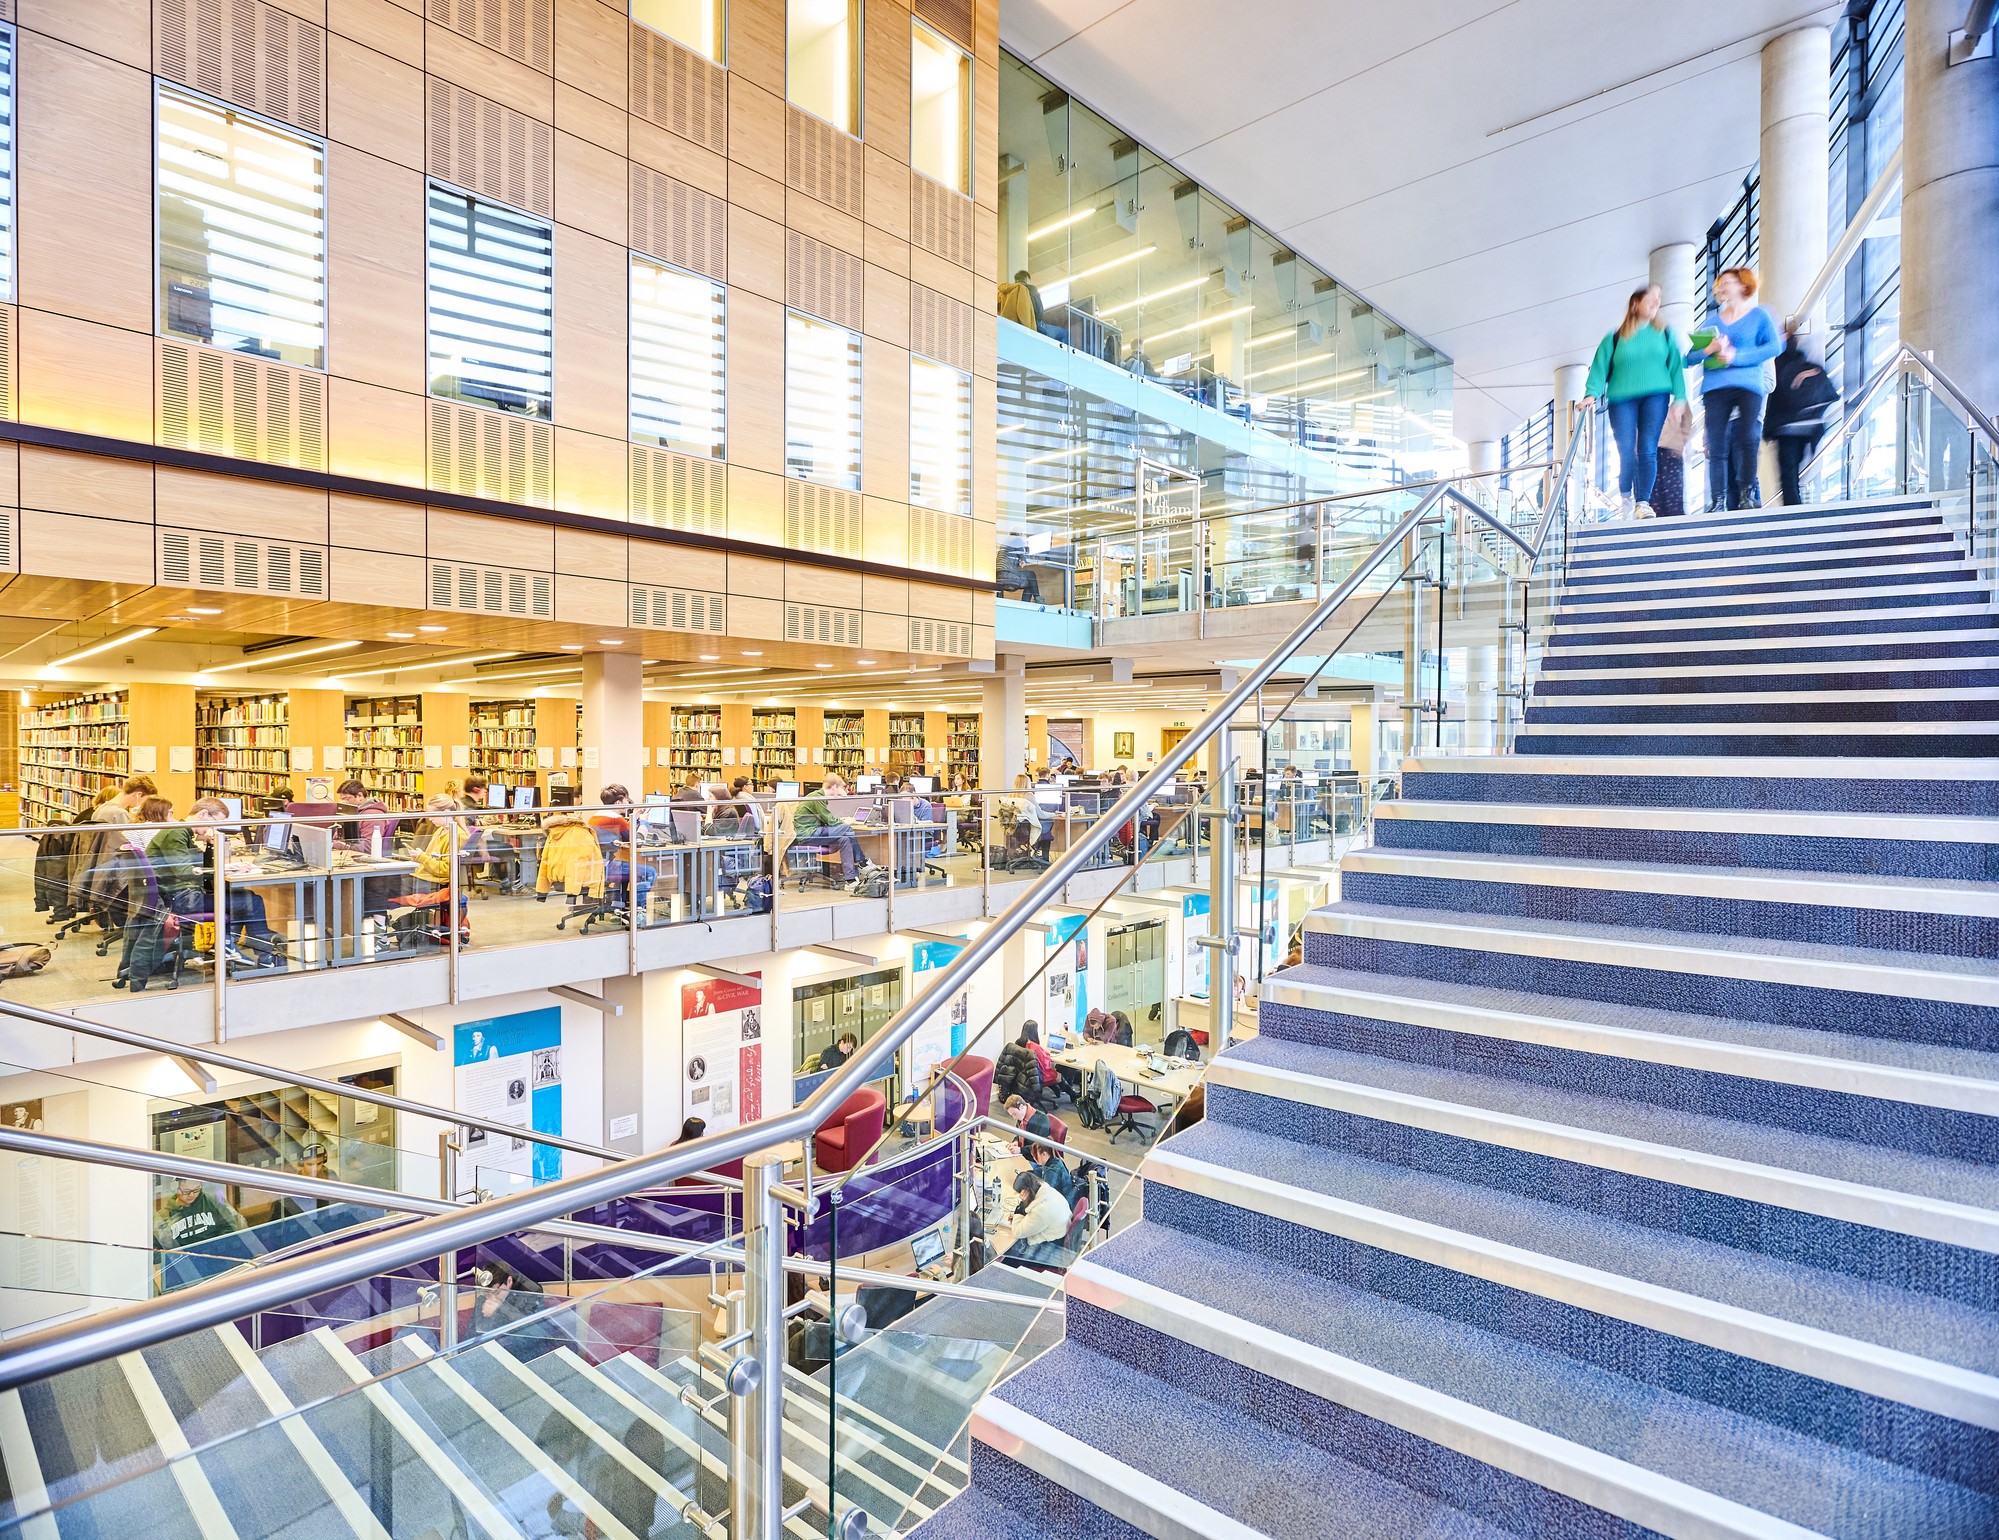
(1492, 173)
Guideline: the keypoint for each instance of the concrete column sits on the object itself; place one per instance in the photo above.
(1003, 723)
(1360, 746)
(1791, 234)
(1950, 201)
(1672, 269)
(613, 722)
(1569, 382)
(1483, 454)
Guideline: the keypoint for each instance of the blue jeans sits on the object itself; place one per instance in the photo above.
(1636, 424)
(1734, 417)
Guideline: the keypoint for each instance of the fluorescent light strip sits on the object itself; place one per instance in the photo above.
(1309, 358)
(1105, 267)
(421, 663)
(139, 633)
(1289, 333)
(285, 657)
(1194, 326)
(1155, 296)
(1060, 454)
(1329, 379)
(1067, 220)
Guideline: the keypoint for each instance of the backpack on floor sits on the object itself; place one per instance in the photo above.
(23, 958)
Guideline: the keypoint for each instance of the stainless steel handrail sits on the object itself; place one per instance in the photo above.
(1849, 240)
(58, 1349)
(203, 1053)
(1903, 357)
(162, 1163)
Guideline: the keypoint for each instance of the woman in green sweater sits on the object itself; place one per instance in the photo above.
(1637, 374)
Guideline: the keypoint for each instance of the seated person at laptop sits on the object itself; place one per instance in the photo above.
(613, 797)
(1041, 1220)
(814, 823)
(841, 1051)
(368, 824)
(1050, 1167)
(184, 865)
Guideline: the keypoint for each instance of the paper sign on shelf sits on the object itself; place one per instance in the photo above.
(301, 756)
(590, 759)
(728, 755)
(461, 756)
(568, 753)
(333, 756)
(545, 758)
(433, 756)
(146, 760)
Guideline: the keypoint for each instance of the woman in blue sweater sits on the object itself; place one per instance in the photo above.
(1746, 338)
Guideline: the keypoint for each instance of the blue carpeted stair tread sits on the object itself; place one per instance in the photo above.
(1803, 951)
(1941, 1330)
(1889, 1053)
(1773, 1470)
(1843, 1160)
(974, 1515)
(1257, 1474)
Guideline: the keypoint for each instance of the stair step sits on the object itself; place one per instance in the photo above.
(1810, 515)
(975, 1514)
(1761, 653)
(1673, 568)
(1880, 1069)
(1949, 1001)
(1887, 678)
(1190, 1465)
(1777, 577)
(1838, 631)
(1670, 546)
(1952, 1203)
(1947, 593)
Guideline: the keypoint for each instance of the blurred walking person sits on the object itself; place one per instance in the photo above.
(1732, 347)
(1637, 374)
(1795, 418)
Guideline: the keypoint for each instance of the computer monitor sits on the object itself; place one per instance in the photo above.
(787, 791)
(923, 785)
(278, 834)
(1062, 780)
(927, 1249)
(523, 797)
(235, 806)
(867, 783)
(1048, 801)
(563, 796)
(496, 796)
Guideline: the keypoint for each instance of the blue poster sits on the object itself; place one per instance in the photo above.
(1194, 969)
(509, 1070)
(1069, 987)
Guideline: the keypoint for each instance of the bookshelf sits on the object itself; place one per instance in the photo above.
(694, 746)
(961, 747)
(774, 745)
(906, 743)
(254, 746)
(503, 741)
(385, 748)
(846, 743)
(68, 746)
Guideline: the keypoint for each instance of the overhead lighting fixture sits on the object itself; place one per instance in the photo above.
(275, 659)
(708, 657)
(753, 652)
(1066, 221)
(1207, 320)
(1288, 334)
(822, 665)
(137, 634)
(1332, 379)
(1060, 454)
(1309, 358)
(1110, 266)
(409, 665)
(1156, 295)
(198, 609)
(434, 630)
(865, 662)
(1012, 427)
(572, 646)
(610, 641)
(400, 636)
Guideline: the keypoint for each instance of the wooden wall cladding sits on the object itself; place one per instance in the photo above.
(942, 221)
(678, 90)
(489, 149)
(523, 30)
(822, 624)
(226, 403)
(822, 162)
(676, 491)
(245, 52)
(821, 280)
(823, 519)
(491, 454)
(10, 401)
(679, 224)
(940, 542)
(676, 609)
(953, 18)
(241, 564)
(943, 329)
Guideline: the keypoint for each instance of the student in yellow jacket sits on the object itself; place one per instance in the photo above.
(571, 857)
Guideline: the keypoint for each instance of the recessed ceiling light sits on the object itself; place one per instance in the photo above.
(749, 652)
(195, 609)
(434, 630)
(709, 657)
(572, 646)
(822, 665)
(610, 641)
(400, 636)
(865, 662)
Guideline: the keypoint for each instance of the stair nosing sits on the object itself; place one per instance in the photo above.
(1943, 829)
(1805, 1192)
(1561, 1465)
(1722, 767)
(1892, 1374)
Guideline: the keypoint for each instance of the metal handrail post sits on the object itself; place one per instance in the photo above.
(756, 1466)
(447, 1265)
(219, 854)
(451, 896)
(1221, 904)
(632, 886)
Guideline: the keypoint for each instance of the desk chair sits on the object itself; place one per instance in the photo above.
(805, 864)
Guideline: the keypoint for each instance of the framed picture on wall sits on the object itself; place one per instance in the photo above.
(1124, 745)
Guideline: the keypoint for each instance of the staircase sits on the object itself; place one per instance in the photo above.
(1624, 1157)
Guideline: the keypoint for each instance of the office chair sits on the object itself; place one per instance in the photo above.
(805, 864)
(1130, 1108)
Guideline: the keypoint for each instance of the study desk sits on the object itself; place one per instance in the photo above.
(904, 847)
(700, 871)
(1168, 1090)
(331, 897)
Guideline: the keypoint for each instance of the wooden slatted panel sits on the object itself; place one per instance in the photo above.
(953, 18)
(822, 624)
(491, 454)
(520, 29)
(941, 221)
(941, 328)
(822, 280)
(677, 89)
(245, 52)
(948, 637)
(820, 161)
(674, 491)
(491, 150)
(676, 609)
(198, 558)
(225, 403)
(940, 542)
(822, 519)
(482, 590)
(679, 224)
(10, 410)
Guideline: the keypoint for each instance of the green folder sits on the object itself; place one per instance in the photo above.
(1701, 338)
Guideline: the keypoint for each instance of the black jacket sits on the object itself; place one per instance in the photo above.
(1802, 394)
(1018, 1073)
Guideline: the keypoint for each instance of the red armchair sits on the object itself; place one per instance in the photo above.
(978, 1074)
(844, 1139)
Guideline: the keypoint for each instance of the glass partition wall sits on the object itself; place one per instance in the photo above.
(1153, 321)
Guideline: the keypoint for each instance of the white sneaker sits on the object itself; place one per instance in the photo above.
(1624, 507)
(1643, 511)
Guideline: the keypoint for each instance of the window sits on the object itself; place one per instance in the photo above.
(940, 108)
(677, 365)
(822, 402)
(242, 211)
(822, 60)
(6, 162)
(695, 24)
(940, 437)
(491, 304)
